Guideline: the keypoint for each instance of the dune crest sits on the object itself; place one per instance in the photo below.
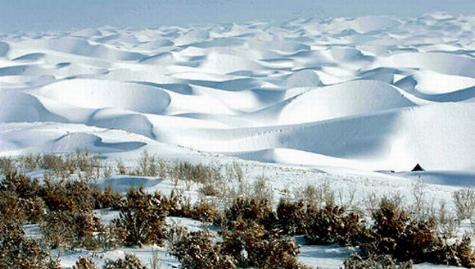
(372, 93)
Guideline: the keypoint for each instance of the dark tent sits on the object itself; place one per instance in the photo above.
(417, 168)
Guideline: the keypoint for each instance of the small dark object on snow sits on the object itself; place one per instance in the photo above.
(418, 167)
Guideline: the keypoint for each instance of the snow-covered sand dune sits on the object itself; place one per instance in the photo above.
(372, 93)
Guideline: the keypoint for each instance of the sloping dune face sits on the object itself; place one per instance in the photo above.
(371, 93)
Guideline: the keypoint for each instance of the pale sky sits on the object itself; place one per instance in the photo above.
(44, 15)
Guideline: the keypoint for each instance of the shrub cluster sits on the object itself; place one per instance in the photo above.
(395, 232)
(142, 218)
(195, 250)
(375, 262)
(16, 251)
(129, 262)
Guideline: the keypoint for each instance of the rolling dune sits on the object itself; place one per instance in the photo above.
(371, 93)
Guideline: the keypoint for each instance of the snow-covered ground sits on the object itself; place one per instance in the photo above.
(302, 102)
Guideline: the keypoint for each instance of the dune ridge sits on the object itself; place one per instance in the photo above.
(371, 93)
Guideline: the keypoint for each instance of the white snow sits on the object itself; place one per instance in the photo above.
(301, 101)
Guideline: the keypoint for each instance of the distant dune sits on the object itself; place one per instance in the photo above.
(372, 93)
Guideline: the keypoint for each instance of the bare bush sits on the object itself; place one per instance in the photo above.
(464, 201)
(7, 166)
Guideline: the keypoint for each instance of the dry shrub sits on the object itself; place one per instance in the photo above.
(261, 190)
(205, 211)
(147, 165)
(23, 186)
(71, 195)
(256, 210)
(129, 262)
(196, 173)
(30, 161)
(7, 166)
(35, 209)
(254, 246)
(85, 263)
(142, 217)
(464, 201)
(65, 229)
(209, 189)
(11, 209)
(195, 250)
(292, 216)
(107, 198)
(375, 262)
(68, 164)
(177, 204)
(396, 233)
(121, 168)
(334, 224)
(18, 252)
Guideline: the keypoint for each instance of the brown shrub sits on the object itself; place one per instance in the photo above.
(77, 195)
(129, 262)
(291, 216)
(195, 250)
(177, 204)
(107, 198)
(256, 210)
(209, 189)
(333, 224)
(18, 252)
(35, 209)
(67, 164)
(196, 173)
(375, 262)
(65, 229)
(85, 263)
(205, 211)
(396, 233)
(142, 217)
(254, 246)
(11, 209)
(23, 186)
